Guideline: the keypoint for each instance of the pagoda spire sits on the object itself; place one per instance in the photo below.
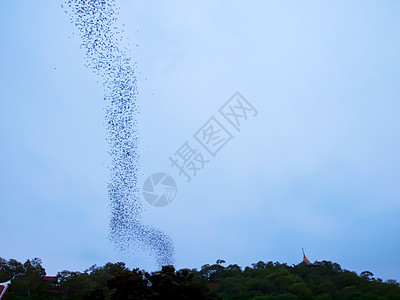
(305, 259)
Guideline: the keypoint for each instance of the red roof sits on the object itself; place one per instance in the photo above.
(305, 259)
(50, 278)
(3, 289)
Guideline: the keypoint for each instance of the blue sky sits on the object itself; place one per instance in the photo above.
(316, 168)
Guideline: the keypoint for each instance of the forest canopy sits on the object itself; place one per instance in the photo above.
(260, 281)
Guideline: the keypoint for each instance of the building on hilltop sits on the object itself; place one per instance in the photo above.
(307, 262)
(305, 259)
(3, 289)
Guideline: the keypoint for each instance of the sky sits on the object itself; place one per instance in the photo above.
(317, 167)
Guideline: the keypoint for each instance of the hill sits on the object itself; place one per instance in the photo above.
(260, 281)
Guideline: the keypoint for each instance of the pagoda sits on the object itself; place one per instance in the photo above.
(305, 259)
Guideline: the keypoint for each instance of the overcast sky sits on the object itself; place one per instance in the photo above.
(318, 167)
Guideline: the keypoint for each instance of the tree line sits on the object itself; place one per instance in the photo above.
(260, 281)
